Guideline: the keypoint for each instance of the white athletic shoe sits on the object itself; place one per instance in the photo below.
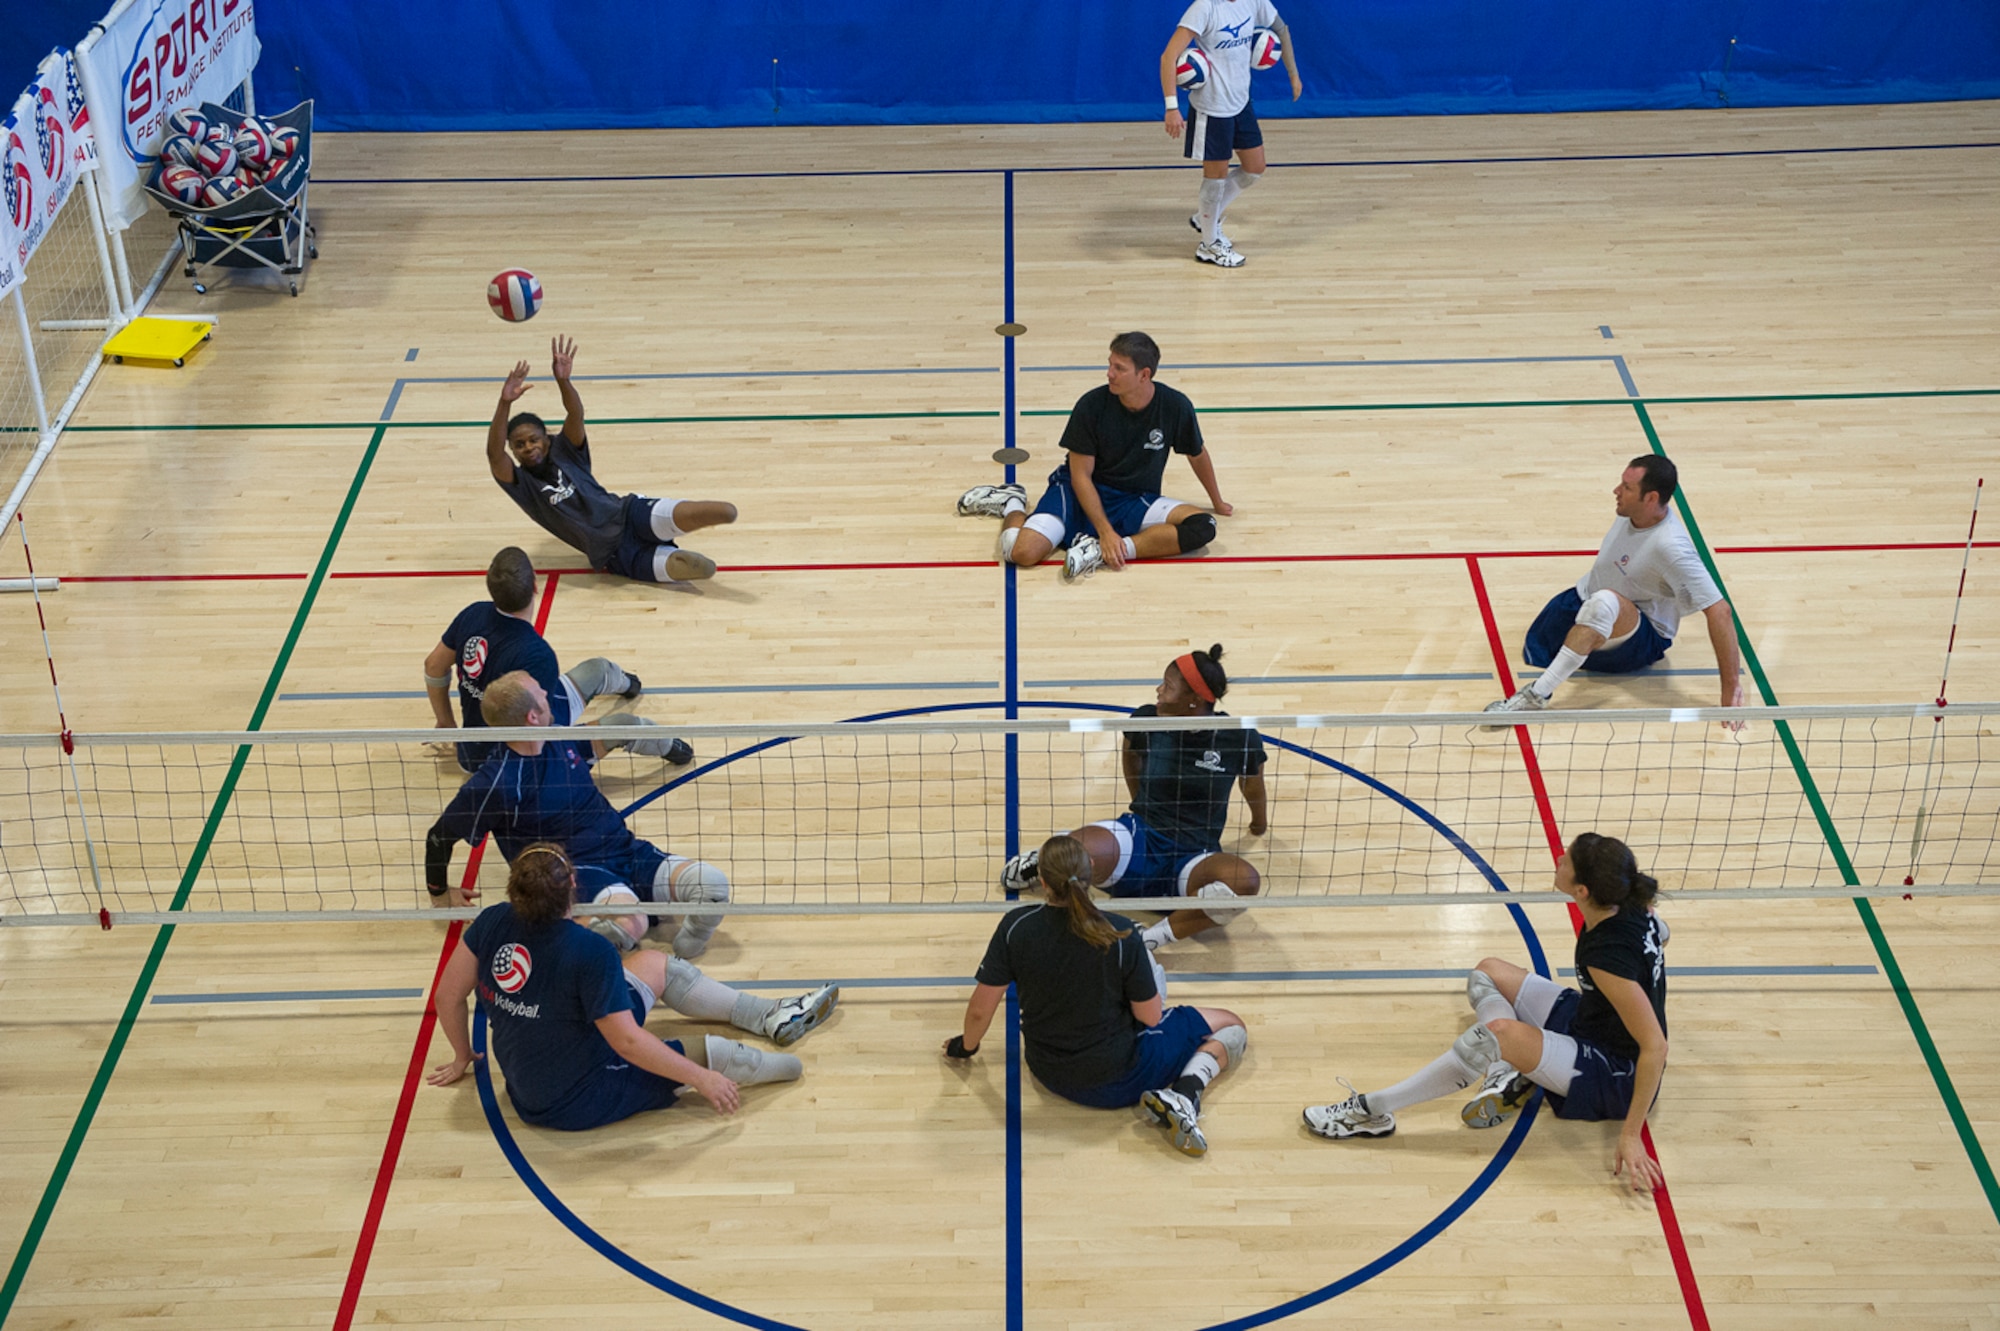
(1175, 1112)
(1018, 874)
(1222, 256)
(1194, 220)
(1525, 699)
(793, 1017)
(1085, 557)
(1349, 1118)
(687, 566)
(990, 501)
(1503, 1092)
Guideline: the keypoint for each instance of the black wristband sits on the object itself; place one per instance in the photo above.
(435, 890)
(956, 1048)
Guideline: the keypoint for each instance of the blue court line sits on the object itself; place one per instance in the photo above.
(1625, 376)
(1604, 331)
(410, 355)
(946, 685)
(1534, 160)
(288, 996)
(1017, 1294)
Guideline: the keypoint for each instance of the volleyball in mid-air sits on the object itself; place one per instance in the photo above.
(514, 295)
(1192, 71)
(1264, 49)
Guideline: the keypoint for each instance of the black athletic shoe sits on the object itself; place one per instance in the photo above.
(633, 686)
(680, 753)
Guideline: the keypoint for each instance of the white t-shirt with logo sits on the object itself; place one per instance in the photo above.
(1222, 29)
(1655, 568)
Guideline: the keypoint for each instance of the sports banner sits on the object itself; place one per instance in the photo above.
(149, 59)
(45, 147)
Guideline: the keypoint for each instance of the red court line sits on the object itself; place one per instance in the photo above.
(1670, 1225)
(1390, 556)
(399, 1126)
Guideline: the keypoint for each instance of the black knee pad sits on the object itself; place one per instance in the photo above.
(1196, 532)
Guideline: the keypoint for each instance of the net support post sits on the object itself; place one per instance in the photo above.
(28, 355)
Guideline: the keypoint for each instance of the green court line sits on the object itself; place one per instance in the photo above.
(18, 1272)
(1911, 1013)
(1064, 411)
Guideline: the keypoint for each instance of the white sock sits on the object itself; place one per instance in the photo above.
(1157, 934)
(1202, 1067)
(1445, 1074)
(1013, 506)
(1560, 669)
(1210, 211)
(1131, 550)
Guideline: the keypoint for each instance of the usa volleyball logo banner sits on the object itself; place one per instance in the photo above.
(147, 63)
(511, 965)
(43, 151)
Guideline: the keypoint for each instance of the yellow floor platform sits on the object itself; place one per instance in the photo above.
(167, 340)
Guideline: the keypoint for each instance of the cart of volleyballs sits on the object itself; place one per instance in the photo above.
(236, 184)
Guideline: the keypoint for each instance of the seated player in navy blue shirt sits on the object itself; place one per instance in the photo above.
(1170, 842)
(1599, 1050)
(1093, 1022)
(567, 1021)
(549, 479)
(542, 790)
(1116, 446)
(489, 639)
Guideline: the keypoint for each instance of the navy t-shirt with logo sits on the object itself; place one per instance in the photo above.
(543, 990)
(1131, 447)
(551, 796)
(487, 644)
(1187, 778)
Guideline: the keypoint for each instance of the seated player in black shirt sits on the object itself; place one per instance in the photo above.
(549, 479)
(1170, 843)
(1093, 1022)
(1117, 439)
(1599, 1053)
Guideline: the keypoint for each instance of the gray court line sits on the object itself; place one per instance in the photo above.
(288, 996)
(961, 686)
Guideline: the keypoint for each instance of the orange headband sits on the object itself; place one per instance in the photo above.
(1192, 674)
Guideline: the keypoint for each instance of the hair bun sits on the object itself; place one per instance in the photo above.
(1215, 652)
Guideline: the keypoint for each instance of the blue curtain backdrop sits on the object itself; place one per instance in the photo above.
(538, 64)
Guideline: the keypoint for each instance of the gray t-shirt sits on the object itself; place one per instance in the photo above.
(570, 505)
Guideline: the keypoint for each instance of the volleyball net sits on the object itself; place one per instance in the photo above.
(919, 814)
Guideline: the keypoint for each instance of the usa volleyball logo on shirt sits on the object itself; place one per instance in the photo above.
(474, 656)
(511, 965)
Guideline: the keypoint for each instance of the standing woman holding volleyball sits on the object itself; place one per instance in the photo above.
(1599, 1050)
(1094, 1026)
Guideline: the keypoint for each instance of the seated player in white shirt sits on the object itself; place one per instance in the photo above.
(1622, 615)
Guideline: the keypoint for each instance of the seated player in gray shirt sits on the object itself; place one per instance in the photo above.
(549, 477)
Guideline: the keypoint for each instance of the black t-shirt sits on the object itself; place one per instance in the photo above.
(1131, 446)
(1631, 944)
(1185, 785)
(1077, 1026)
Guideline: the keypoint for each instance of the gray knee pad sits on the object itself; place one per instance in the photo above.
(1478, 1048)
(614, 927)
(682, 977)
(598, 675)
(645, 748)
(1195, 532)
(1235, 1039)
(748, 1066)
(1479, 987)
(1217, 892)
(1599, 613)
(691, 881)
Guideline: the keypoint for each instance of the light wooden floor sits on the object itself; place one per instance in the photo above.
(1428, 271)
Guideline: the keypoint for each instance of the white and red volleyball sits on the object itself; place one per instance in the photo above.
(253, 147)
(215, 157)
(222, 190)
(183, 182)
(515, 295)
(1265, 50)
(1192, 71)
(284, 142)
(192, 123)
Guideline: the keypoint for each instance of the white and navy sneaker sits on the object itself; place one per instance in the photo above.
(1525, 699)
(1179, 1115)
(1018, 874)
(1194, 220)
(1502, 1093)
(1085, 557)
(990, 501)
(793, 1017)
(1349, 1118)
(1220, 254)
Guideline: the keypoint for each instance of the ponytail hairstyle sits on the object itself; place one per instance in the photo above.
(1064, 869)
(541, 883)
(1605, 865)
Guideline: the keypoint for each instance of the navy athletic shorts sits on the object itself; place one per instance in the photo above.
(1156, 864)
(1216, 137)
(1127, 509)
(1602, 1086)
(614, 1091)
(1162, 1052)
(1558, 617)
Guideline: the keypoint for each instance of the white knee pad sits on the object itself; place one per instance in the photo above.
(624, 930)
(1599, 613)
(747, 1066)
(1478, 1048)
(1558, 1066)
(1218, 892)
(1008, 536)
(1123, 836)
(1235, 1039)
(1159, 975)
(1479, 987)
(685, 880)
(682, 977)
(1047, 525)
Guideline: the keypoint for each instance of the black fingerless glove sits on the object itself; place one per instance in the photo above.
(956, 1048)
